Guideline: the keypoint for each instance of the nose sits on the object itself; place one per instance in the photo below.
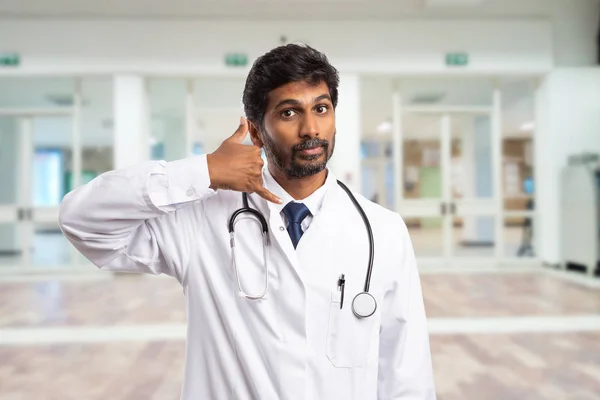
(309, 127)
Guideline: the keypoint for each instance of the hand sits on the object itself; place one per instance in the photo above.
(236, 166)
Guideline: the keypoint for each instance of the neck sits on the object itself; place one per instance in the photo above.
(298, 188)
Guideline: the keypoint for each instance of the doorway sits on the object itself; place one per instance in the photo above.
(447, 191)
(452, 155)
(35, 178)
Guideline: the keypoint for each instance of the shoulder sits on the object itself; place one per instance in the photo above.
(393, 246)
(207, 209)
(381, 218)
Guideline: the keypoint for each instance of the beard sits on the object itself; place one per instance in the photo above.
(292, 165)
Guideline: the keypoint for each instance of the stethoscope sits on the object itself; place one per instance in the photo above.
(363, 304)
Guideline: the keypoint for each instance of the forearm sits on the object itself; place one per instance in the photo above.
(102, 218)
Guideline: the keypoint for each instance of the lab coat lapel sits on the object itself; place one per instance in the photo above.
(279, 236)
(327, 212)
(322, 234)
(335, 243)
(282, 237)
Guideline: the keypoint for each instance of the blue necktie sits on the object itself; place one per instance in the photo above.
(295, 213)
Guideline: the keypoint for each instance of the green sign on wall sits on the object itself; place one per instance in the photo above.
(236, 59)
(457, 59)
(10, 59)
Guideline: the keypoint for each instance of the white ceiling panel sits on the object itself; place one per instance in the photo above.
(274, 9)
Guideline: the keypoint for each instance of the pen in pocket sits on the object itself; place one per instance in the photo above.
(341, 287)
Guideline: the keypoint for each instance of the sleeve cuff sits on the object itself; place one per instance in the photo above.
(180, 182)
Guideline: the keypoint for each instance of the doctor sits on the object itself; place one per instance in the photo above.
(271, 306)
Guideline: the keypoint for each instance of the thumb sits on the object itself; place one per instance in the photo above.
(242, 131)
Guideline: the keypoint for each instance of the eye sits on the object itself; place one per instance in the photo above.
(288, 113)
(322, 109)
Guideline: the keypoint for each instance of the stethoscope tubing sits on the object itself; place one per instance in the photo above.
(369, 233)
(265, 230)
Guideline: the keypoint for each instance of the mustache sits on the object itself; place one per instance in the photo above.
(310, 144)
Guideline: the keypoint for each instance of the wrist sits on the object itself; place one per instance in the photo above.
(213, 171)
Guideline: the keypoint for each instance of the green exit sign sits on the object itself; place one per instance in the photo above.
(457, 59)
(236, 60)
(9, 59)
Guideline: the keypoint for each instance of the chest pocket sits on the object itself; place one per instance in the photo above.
(351, 341)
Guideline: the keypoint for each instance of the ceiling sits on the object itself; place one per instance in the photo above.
(276, 9)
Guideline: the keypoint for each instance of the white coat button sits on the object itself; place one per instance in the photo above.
(190, 192)
(281, 228)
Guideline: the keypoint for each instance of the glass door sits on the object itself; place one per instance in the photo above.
(422, 201)
(448, 195)
(447, 130)
(51, 160)
(471, 196)
(34, 150)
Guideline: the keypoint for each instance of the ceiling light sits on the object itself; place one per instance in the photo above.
(527, 126)
(385, 127)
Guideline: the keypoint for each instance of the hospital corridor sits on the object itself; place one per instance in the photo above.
(477, 121)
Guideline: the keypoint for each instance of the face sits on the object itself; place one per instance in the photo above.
(299, 129)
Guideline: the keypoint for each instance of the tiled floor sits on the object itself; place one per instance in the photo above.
(132, 299)
(490, 367)
(520, 367)
(533, 364)
(504, 295)
(132, 371)
(128, 299)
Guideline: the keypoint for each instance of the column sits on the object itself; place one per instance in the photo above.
(9, 163)
(345, 163)
(131, 140)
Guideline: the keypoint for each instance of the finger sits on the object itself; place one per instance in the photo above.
(265, 194)
(242, 131)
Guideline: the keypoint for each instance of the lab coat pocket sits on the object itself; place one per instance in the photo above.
(350, 340)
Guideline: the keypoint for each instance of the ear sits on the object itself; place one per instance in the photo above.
(254, 134)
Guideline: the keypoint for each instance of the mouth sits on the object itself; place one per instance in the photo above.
(312, 151)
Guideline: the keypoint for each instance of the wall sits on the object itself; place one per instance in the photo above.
(414, 46)
(568, 115)
(345, 162)
(572, 30)
(9, 151)
(176, 46)
(575, 31)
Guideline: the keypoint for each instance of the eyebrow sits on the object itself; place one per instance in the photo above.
(294, 102)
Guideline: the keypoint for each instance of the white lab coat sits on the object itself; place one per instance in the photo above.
(294, 344)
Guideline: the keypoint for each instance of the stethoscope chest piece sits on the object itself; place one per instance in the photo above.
(364, 305)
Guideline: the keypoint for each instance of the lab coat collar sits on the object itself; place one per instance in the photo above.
(313, 202)
(275, 219)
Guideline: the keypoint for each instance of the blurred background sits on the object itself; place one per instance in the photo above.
(478, 121)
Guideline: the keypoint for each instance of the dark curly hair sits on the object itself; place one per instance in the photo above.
(282, 65)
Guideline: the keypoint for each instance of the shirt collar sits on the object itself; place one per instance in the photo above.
(312, 202)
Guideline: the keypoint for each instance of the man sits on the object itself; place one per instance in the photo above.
(267, 318)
